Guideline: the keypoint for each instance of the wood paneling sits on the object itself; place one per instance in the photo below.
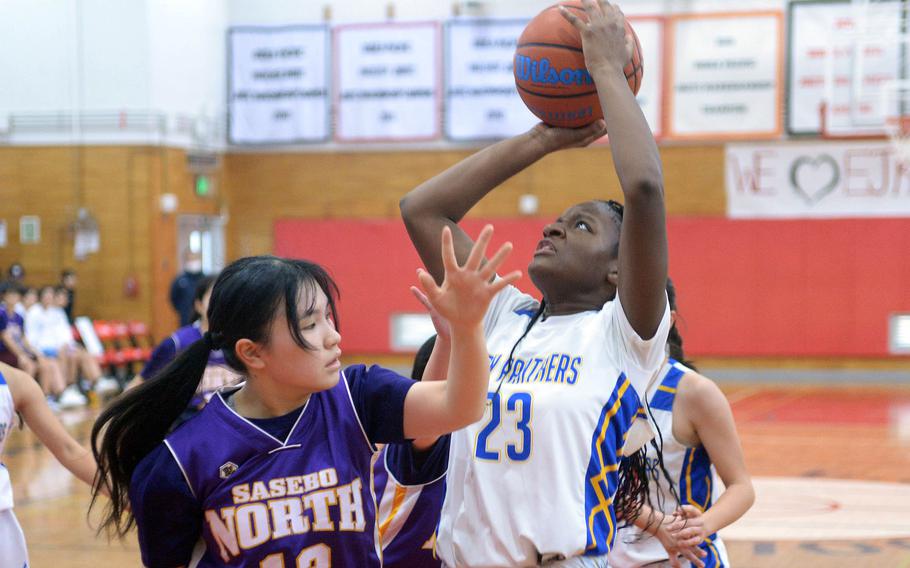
(121, 187)
(263, 187)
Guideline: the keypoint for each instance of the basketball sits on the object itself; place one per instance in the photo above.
(550, 69)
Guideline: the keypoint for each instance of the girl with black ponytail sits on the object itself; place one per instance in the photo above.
(696, 443)
(276, 471)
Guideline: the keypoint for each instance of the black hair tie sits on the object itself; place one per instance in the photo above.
(212, 340)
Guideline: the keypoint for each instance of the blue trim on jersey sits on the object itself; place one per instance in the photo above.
(666, 392)
(529, 313)
(696, 483)
(602, 476)
(2, 379)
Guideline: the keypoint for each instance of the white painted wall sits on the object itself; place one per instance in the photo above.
(169, 56)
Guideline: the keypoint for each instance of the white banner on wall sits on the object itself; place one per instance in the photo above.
(279, 84)
(481, 98)
(650, 32)
(815, 180)
(387, 82)
(818, 29)
(726, 76)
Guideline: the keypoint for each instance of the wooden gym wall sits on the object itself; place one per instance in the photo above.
(121, 186)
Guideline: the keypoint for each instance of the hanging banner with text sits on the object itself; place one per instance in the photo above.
(650, 32)
(387, 82)
(815, 180)
(482, 101)
(827, 61)
(726, 75)
(278, 84)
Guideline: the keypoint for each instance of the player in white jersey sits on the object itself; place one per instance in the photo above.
(697, 444)
(535, 481)
(20, 394)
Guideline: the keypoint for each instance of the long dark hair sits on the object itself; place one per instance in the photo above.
(674, 339)
(245, 302)
(634, 468)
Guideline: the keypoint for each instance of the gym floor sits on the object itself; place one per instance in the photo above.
(831, 467)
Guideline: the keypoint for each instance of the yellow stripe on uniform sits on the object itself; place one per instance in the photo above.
(665, 388)
(397, 500)
(689, 482)
(604, 502)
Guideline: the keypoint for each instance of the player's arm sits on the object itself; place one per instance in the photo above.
(436, 408)
(12, 345)
(643, 243)
(712, 419)
(443, 200)
(437, 367)
(31, 404)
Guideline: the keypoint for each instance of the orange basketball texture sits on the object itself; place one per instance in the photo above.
(550, 69)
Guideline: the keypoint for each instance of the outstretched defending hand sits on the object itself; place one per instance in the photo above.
(439, 323)
(467, 290)
(603, 36)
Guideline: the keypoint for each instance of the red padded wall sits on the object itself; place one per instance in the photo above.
(746, 288)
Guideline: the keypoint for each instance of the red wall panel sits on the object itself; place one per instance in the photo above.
(746, 288)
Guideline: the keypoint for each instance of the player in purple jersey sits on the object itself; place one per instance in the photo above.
(277, 471)
(409, 479)
(217, 373)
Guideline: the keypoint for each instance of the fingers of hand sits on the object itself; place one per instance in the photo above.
(449, 261)
(693, 559)
(690, 511)
(572, 18)
(501, 283)
(422, 298)
(479, 249)
(491, 267)
(428, 284)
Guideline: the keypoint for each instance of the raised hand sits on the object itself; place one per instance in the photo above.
(552, 138)
(439, 323)
(603, 36)
(466, 291)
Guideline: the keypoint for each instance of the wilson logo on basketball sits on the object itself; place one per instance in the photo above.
(543, 73)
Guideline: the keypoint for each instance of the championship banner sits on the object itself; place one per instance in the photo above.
(826, 62)
(815, 180)
(278, 84)
(725, 76)
(387, 82)
(482, 101)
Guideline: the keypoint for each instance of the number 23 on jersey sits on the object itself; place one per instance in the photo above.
(517, 410)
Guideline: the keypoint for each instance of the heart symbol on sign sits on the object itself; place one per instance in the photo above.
(818, 180)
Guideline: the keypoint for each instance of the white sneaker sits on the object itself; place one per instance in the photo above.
(106, 385)
(71, 398)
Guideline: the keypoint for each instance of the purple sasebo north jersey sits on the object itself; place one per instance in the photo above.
(408, 506)
(14, 324)
(303, 501)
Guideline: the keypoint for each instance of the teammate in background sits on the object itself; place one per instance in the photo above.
(29, 299)
(535, 481)
(409, 479)
(276, 472)
(217, 373)
(16, 351)
(20, 395)
(47, 328)
(698, 443)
